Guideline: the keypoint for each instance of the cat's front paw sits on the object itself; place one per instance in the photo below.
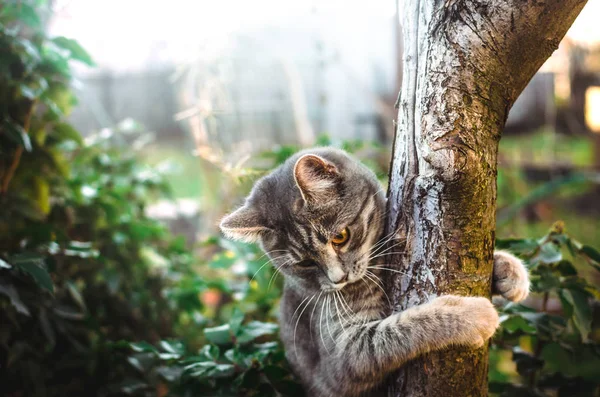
(511, 279)
(476, 319)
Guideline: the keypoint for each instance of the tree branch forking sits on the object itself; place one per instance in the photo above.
(465, 63)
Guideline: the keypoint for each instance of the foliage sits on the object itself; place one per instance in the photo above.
(80, 263)
(555, 348)
(98, 299)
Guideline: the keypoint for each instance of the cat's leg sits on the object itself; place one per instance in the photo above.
(511, 279)
(364, 354)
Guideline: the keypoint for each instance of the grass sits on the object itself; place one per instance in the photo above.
(186, 176)
(545, 147)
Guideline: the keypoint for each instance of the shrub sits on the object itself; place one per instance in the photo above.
(555, 347)
(98, 299)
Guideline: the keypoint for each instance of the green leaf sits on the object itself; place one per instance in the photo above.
(556, 357)
(144, 347)
(4, 264)
(27, 91)
(75, 50)
(22, 12)
(132, 387)
(35, 267)
(143, 362)
(13, 295)
(76, 295)
(519, 246)
(549, 253)
(65, 131)
(173, 346)
(211, 352)
(208, 369)
(590, 253)
(220, 335)
(16, 133)
(566, 268)
(235, 322)
(516, 323)
(255, 329)
(582, 312)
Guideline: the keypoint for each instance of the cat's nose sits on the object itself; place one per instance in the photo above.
(337, 276)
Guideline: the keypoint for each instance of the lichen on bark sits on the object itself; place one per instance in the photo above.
(465, 63)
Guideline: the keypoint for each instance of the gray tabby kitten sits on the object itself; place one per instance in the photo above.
(320, 219)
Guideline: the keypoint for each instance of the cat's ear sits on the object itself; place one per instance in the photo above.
(316, 178)
(243, 225)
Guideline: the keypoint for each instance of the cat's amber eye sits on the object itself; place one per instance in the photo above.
(341, 238)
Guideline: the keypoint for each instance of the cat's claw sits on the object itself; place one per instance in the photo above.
(511, 279)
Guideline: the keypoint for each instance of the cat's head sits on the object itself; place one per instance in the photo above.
(317, 217)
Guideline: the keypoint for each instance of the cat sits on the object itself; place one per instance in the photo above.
(320, 219)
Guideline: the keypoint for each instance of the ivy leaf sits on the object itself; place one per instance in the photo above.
(75, 50)
(35, 267)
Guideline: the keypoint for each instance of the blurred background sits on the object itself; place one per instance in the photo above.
(221, 81)
(130, 127)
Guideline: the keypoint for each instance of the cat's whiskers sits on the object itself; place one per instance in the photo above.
(321, 326)
(340, 314)
(382, 241)
(265, 264)
(370, 291)
(329, 316)
(298, 308)
(347, 306)
(367, 275)
(269, 253)
(298, 321)
(387, 254)
(376, 193)
(375, 254)
(386, 268)
(278, 270)
(313, 312)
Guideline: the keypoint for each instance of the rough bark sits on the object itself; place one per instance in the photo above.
(465, 63)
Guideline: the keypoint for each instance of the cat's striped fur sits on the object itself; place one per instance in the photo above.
(338, 338)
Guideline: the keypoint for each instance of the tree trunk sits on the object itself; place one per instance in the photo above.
(465, 63)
